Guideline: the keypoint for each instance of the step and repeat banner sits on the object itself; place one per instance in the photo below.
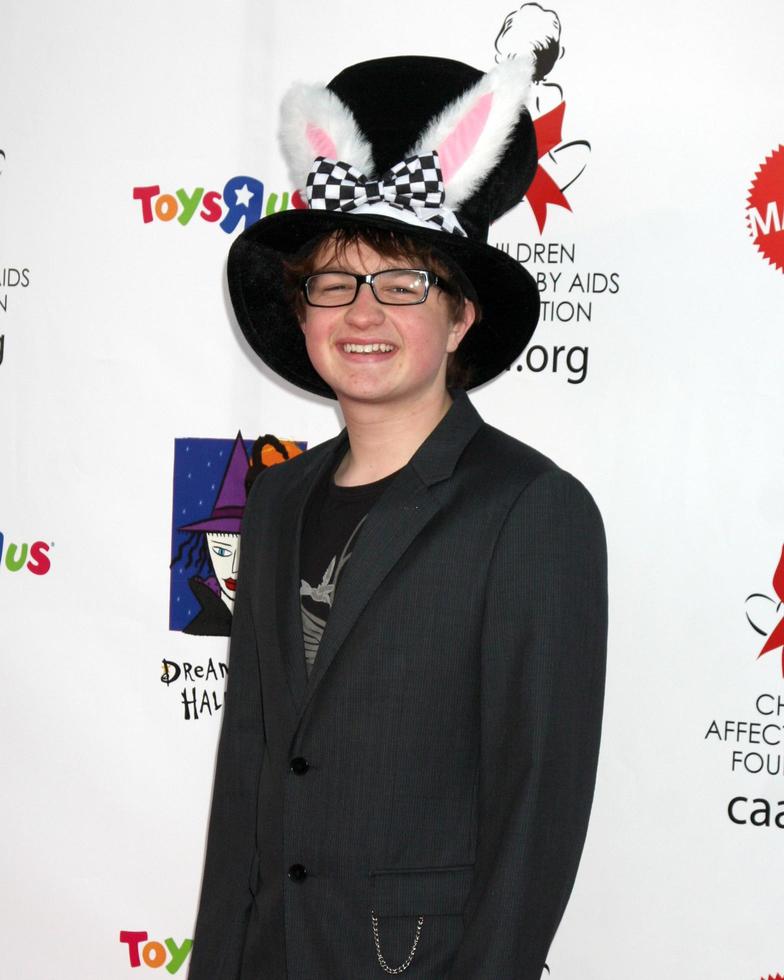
(135, 143)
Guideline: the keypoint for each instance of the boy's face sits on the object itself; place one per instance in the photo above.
(420, 337)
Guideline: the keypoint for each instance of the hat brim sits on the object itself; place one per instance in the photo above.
(226, 525)
(508, 294)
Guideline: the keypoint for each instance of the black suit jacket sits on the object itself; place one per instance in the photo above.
(440, 760)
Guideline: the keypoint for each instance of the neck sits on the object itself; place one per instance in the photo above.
(383, 438)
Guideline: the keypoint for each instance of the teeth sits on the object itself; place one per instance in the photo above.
(367, 348)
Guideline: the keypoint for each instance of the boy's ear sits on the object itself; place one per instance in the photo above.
(461, 326)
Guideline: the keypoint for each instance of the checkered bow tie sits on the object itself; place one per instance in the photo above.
(415, 184)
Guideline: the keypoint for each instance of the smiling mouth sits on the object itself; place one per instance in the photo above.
(367, 348)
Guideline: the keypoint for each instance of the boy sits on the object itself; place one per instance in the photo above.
(412, 718)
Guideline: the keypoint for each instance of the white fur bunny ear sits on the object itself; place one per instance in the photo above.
(315, 123)
(471, 134)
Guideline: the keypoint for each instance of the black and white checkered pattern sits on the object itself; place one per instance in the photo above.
(415, 184)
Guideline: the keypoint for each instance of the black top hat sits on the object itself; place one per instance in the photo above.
(425, 146)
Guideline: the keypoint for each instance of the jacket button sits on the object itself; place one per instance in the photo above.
(299, 766)
(297, 872)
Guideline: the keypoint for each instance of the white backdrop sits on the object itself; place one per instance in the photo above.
(116, 339)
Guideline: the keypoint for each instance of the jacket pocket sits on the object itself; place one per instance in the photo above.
(421, 891)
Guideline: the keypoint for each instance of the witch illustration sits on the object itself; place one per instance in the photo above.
(210, 552)
(535, 33)
(213, 549)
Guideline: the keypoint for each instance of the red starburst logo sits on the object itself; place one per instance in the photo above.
(775, 633)
(771, 977)
(765, 208)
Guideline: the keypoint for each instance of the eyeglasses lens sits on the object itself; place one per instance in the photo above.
(395, 287)
(400, 286)
(331, 289)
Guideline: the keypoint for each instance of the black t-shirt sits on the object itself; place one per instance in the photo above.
(332, 522)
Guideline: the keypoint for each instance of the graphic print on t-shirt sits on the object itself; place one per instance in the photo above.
(322, 594)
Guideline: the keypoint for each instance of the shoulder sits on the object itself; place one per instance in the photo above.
(283, 475)
(503, 461)
(274, 485)
(501, 453)
(526, 484)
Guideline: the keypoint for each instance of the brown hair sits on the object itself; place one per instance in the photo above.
(390, 245)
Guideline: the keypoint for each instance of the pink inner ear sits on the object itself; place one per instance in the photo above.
(320, 142)
(457, 147)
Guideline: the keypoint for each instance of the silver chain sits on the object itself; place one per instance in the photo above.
(407, 961)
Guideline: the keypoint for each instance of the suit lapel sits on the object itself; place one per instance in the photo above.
(393, 523)
(289, 614)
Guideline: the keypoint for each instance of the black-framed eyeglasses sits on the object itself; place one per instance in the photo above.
(392, 287)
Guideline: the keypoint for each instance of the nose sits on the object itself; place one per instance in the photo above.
(366, 309)
(235, 562)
